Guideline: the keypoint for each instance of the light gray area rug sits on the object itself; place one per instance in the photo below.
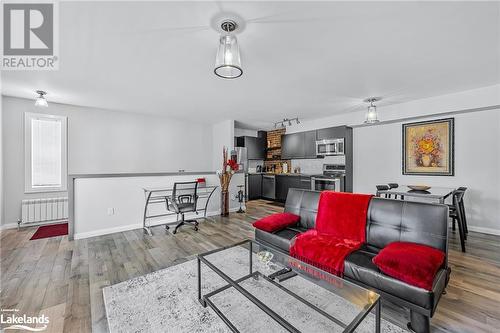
(167, 301)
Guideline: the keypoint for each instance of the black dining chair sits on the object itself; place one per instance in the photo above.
(395, 185)
(183, 200)
(383, 188)
(461, 188)
(457, 215)
(462, 208)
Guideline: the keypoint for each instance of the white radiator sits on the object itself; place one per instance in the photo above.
(43, 210)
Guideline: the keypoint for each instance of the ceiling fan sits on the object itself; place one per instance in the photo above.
(370, 103)
(228, 25)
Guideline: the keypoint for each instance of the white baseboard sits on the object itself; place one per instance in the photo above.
(8, 226)
(106, 231)
(482, 230)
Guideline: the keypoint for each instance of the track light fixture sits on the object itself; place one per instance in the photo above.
(286, 122)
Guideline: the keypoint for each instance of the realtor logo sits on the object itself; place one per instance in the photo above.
(29, 37)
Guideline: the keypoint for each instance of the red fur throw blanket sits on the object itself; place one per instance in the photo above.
(340, 230)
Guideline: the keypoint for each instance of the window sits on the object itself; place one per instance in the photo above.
(45, 150)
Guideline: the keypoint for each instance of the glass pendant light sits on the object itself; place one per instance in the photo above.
(40, 100)
(228, 62)
(371, 113)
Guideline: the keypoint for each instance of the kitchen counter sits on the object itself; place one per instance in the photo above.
(275, 186)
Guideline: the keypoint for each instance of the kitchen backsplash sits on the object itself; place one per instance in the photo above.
(315, 166)
(254, 163)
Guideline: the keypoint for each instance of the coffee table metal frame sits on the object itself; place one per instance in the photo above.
(205, 299)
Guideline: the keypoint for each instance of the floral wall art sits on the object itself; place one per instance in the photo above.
(428, 148)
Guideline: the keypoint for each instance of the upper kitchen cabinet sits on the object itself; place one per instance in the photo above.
(256, 147)
(310, 144)
(298, 145)
(292, 146)
(331, 133)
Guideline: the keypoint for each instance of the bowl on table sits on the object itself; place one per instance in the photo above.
(419, 187)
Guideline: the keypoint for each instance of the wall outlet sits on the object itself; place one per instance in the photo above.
(111, 211)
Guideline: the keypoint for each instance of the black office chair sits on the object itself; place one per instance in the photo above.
(183, 200)
(383, 188)
(457, 214)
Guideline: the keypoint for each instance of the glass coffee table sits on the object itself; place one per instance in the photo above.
(262, 289)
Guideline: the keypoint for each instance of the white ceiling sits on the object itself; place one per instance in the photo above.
(299, 58)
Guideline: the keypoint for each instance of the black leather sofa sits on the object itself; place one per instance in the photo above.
(387, 221)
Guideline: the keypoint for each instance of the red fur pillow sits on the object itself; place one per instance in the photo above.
(415, 264)
(276, 222)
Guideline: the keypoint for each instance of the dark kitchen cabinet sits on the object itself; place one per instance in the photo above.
(284, 183)
(331, 133)
(254, 186)
(310, 144)
(281, 187)
(292, 146)
(298, 145)
(305, 183)
(256, 147)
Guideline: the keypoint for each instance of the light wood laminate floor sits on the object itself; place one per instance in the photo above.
(64, 279)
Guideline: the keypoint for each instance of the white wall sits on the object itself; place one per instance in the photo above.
(378, 150)
(378, 155)
(95, 196)
(222, 136)
(104, 141)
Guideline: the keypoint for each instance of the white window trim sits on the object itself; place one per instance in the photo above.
(28, 188)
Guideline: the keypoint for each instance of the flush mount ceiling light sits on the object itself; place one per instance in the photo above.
(40, 100)
(227, 61)
(286, 122)
(371, 113)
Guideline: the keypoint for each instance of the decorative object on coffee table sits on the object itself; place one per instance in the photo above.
(229, 167)
(428, 148)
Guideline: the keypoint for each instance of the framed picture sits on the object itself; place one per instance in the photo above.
(428, 148)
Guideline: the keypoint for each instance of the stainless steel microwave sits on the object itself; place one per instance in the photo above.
(330, 147)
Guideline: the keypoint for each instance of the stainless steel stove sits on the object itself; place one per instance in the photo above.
(332, 179)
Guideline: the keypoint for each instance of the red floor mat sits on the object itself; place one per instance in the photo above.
(54, 230)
